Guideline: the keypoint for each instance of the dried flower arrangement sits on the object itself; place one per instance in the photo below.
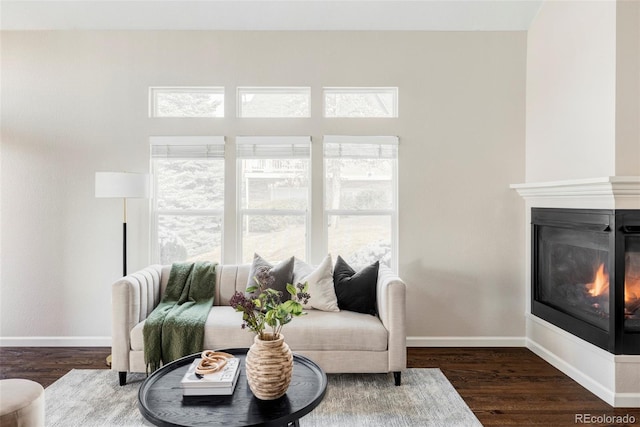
(266, 308)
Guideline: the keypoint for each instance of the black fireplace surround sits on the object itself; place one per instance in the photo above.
(586, 274)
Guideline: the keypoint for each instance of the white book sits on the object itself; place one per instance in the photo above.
(211, 391)
(224, 378)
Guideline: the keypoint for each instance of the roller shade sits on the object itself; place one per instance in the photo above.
(360, 147)
(187, 147)
(273, 147)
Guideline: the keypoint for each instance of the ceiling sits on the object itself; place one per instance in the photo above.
(414, 15)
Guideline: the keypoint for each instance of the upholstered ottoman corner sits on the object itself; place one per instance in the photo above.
(21, 403)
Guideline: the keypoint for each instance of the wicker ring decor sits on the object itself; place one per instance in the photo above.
(212, 361)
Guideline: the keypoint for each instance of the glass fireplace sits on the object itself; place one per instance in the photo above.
(586, 274)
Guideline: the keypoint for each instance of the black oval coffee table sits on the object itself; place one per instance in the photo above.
(160, 398)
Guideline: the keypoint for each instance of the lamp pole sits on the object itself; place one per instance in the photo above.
(124, 238)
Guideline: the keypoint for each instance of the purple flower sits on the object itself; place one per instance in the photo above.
(264, 277)
(301, 295)
(241, 303)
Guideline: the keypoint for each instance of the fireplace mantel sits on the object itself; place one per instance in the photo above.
(610, 192)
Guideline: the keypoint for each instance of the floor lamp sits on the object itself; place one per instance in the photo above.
(122, 185)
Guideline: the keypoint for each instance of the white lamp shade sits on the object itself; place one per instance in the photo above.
(122, 184)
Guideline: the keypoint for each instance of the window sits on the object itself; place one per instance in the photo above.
(360, 102)
(269, 181)
(271, 102)
(361, 198)
(186, 102)
(188, 198)
(273, 195)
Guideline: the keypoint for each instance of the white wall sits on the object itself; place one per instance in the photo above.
(583, 90)
(76, 102)
(628, 88)
(571, 92)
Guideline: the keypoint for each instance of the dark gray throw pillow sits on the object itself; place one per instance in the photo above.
(282, 273)
(356, 291)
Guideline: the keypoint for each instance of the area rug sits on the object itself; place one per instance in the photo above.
(87, 397)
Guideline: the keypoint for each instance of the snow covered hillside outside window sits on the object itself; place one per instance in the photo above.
(188, 198)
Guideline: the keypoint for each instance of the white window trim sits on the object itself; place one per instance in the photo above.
(392, 213)
(241, 212)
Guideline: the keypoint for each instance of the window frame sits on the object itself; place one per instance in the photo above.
(182, 142)
(392, 213)
(393, 90)
(306, 90)
(242, 212)
(155, 90)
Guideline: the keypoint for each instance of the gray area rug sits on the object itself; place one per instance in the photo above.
(86, 397)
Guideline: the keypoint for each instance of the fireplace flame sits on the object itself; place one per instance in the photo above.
(632, 287)
(600, 284)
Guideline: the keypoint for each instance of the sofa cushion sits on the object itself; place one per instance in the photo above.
(282, 274)
(316, 330)
(341, 331)
(356, 291)
(320, 280)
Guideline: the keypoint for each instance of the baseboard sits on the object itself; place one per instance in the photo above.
(55, 341)
(466, 341)
(626, 400)
(598, 370)
(578, 376)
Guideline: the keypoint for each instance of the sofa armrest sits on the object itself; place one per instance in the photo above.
(133, 297)
(391, 301)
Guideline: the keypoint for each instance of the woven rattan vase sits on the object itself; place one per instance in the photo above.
(269, 365)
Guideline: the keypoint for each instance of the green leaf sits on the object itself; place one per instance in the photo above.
(293, 307)
(251, 289)
(271, 319)
(291, 289)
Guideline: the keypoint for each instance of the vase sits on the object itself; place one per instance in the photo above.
(269, 365)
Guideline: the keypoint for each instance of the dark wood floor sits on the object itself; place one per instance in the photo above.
(503, 386)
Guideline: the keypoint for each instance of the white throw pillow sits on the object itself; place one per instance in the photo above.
(320, 279)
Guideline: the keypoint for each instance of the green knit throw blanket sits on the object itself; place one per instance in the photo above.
(175, 328)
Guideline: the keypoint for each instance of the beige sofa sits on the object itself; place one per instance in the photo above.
(339, 342)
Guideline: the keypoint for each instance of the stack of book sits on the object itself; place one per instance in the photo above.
(219, 383)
